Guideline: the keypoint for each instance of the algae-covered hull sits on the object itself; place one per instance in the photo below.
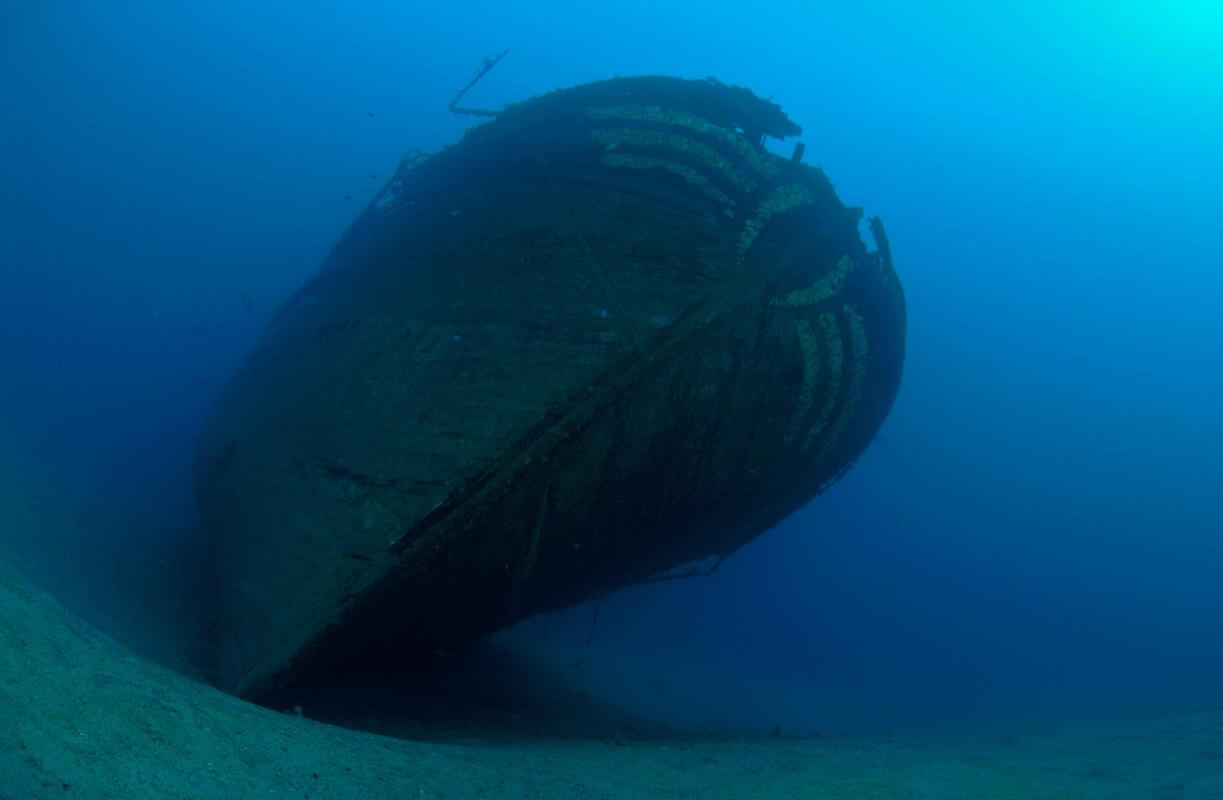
(605, 334)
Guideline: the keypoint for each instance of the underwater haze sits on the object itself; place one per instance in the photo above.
(1035, 530)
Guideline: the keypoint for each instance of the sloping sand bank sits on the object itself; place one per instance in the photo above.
(82, 716)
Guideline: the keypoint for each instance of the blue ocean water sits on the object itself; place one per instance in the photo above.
(1037, 526)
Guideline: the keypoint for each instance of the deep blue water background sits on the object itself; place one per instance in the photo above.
(1037, 527)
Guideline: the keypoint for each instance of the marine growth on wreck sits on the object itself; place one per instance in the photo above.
(605, 334)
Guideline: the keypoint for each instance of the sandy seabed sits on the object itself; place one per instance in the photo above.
(84, 716)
